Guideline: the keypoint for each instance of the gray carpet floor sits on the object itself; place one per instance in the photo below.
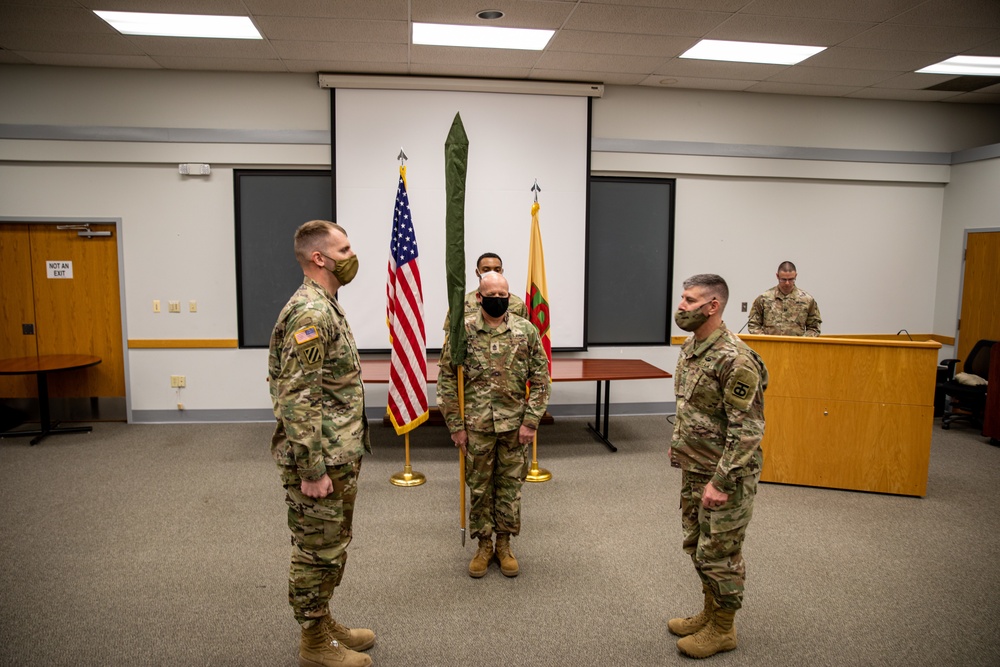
(167, 545)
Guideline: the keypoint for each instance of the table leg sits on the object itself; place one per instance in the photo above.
(46, 427)
(603, 435)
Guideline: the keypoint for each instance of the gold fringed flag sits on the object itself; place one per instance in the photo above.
(538, 289)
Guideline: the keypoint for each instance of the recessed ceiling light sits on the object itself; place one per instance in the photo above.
(974, 65)
(751, 52)
(478, 36)
(181, 25)
(490, 14)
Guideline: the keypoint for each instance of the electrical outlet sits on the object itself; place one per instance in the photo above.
(743, 307)
(178, 381)
(193, 306)
(174, 306)
(156, 305)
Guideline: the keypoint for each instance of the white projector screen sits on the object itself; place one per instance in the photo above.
(513, 140)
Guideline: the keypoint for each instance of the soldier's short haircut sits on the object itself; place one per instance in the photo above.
(786, 267)
(714, 284)
(310, 235)
(488, 255)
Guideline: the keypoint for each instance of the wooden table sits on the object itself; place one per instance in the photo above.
(40, 367)
(376, 371)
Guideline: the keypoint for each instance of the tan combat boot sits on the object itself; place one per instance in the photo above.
(357, 639)
(481, 561)
(318, 649)
(508, 564)
(717, 636)
(682, 627)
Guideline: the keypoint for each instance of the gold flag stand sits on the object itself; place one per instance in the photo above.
(536, 474)
(408, 477)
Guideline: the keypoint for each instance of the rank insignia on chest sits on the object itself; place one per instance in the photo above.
(306, 334)
(494, 348)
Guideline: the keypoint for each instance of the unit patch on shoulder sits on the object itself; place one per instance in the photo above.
(312, 355)
(306, 334)
(742, 388)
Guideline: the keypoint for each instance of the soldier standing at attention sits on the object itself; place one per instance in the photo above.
(490, 262)
(785, 310)
(719, 387)
(504, 354)
(320, 437)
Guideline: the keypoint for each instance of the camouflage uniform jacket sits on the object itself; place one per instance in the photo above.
(719, 385)
(472, 306)
(498, 364)
(314, 374)
(775, 314)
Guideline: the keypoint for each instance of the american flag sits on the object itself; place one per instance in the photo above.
(405, 317)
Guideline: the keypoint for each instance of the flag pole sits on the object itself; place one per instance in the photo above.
(461, 455)
(535, 474)
(407, 477)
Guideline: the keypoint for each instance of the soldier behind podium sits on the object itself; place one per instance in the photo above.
(490, 262)
(719, 386)
(785, 310)
(321, 434)
(504, 353)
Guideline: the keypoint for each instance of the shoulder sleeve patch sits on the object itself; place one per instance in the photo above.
(742, 388)
(306, 334)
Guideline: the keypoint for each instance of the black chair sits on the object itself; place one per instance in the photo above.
(965, 402)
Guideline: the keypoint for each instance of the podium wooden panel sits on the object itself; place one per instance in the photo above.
(848, 413)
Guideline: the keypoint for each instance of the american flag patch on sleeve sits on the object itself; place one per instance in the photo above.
(306, 334)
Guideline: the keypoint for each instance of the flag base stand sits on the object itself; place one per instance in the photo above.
(408, 478)
(536, 474)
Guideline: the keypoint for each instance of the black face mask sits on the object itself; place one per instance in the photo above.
(495, 306)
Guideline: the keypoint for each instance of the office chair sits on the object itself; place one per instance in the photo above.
(967, 402)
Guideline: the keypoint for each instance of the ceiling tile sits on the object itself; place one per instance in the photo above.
(205, 48)
(702, 5)
(990, 49)
(893, 61)
(856, 10)
(11, 58)
(340, 30)
(216, 7)
(923, 38)
(388, 10)
(90, 60)
(221, 64)
(14, 18)
(832, 76)
(517, 13)
(471, 72)
(786, 30)
(453, 55)
(581, 41)
(643, 20)
(718, 69)
(341, 51)
(656, 81)
(907, 95)
(68, 42)
(334, 67)
(961, 13)
(593, 62)
(607, 78)
(976, 98)
(914, 81)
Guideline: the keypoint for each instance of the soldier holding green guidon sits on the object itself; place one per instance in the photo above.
(719, 386)
(321, 434)
(504, 355)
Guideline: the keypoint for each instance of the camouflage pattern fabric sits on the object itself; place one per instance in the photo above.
(776, 314)
(316, 390)
(472, 307)
(714, 537)
(321, 531)
(495, 467)
(498, 365)
(319, 405)
(719, 385)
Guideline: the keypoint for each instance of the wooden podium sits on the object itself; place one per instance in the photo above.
(848, 412)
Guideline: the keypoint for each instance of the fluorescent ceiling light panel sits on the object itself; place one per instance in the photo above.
(751, 52)
(484, 37)
(181, 25)
(975, 65)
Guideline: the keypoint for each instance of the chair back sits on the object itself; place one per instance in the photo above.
(978, 362)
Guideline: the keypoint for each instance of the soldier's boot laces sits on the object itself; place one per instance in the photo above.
(318, 649)
(481, 561)
(508, 564)
(682, 627)
(719, 635)
(356, 639)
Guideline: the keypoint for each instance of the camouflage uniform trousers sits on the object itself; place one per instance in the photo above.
(714, 537)
(321, 531)
(495, 467)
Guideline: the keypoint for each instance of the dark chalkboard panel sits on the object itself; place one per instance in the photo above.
(270, 206)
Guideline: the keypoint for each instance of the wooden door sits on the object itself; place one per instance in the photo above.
(980, 316)
(78, 315)
(17, 307)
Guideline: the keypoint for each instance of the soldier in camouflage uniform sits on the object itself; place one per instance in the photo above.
(319, 439)
(785, 310)
(504, 354)
(719, 386)
(489, 262)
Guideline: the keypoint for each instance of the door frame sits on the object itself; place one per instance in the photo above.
(961, 278)
(119, 244)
